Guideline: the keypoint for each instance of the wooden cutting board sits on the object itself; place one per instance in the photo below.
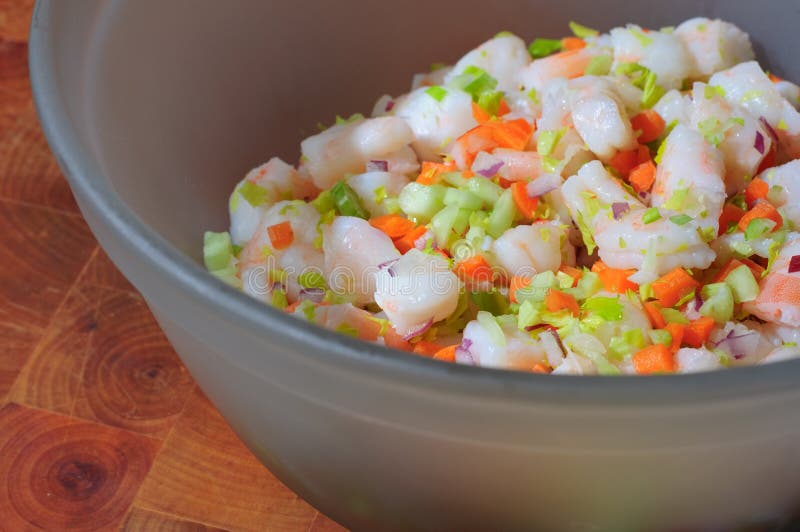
(101, 426)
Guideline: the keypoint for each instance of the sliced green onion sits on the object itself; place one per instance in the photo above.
(651, 215)
(311, 279)
(758, 227)
(677, 200)
(680, 219)
(548, 140)
(608, 308)
(543, 47)
(436, 92)
(492, 302)
(350, 119)
(671, 315)
(490, 102)
(474, 81)
(324, 202)
(254, 194)
(347, 201)
(651, 92)
(582, 31)
(600, 65)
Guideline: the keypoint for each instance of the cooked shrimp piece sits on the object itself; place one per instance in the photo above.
(436, 124)
(748, 86)
(346, 148)
(403, 161)
(784, 182)
(690, 360)
(594, 182)
(790, 91)
(569, 65)
(713, 45)
(600, 118)
(501, 57)
(373, 188)
(428, 79)
(742, 139)
(689, 178)
(344, 318)
(271, 182)
(518, 165)
(674, 107)
(260, 255)
(527, 250)
(779, 354)
(489, 344)
(662, 53)
(779, 298)
(416, 290)
(354, 252)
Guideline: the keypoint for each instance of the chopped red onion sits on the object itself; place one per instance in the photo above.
(770, 130)
(543, 184)
(389, 105)
(377, 166)
(463, 354)
(418, 331)
(740, 345)
(619, 208)
(386, 264)
(794, 264)
(759, 143)
(421, 242)
(486, 164)
(312, 294)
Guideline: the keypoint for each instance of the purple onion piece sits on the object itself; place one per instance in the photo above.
(387, 264)
(391, 272)
(463, 354)
(377, 166)
(312, 294)
(421, 242)
(389, 105)
(491, 170)
(543, 184)
(418, 331)
(770, 130)
(759, 143)
(740, 345)
(794, 264)
(619, 208)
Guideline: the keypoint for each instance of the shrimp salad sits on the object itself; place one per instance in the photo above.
(603, 203)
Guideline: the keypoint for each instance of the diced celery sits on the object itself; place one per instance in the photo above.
(626, 344)
(462, 198)
(347, 201)
(484, 189)
(564, 280)
(442, 224)
(489, 323)
(600, 65)
(455, 179)
(217, 250)
(479, 219)
(608, 308)
(671, 315)
(717, 302)
(461, 221)
(422, 202)
(660, 336)
(743, 284)
(493, 302)
(502, 215)
(529, 314)
(324, 202)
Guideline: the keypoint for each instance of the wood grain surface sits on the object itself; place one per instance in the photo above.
(101, 426)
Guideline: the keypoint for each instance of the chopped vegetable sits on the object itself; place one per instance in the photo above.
(674, 286)
(676, 331)
(525, 204)
(556, 300)
(446, 354)
(731, 214)
(654, 359)
(642, 177)
(544, 47)
(756, 190)
(436, 92)
(408, 241)
(582, 31)
(653, 311)
(281, 235)
(617, 280)
(649, 124)
(393, 225)
(347, 201)
(697, 332)
(572, 43)
(761, 210)
(474, 269)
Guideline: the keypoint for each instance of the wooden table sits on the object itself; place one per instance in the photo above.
(101, 426)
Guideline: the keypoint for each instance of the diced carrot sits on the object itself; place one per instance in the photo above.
(653, 311)
(517, 282)
(698, 331)
(650, 125)
(505, 183)
(431, 172)
(572, 43)
(654, 359)
(673, 286)
(757, 189)
(479, 114)
(757, 269)
(391, 338)
(503, 108)
(480, 138)
(393, 225)
(540, 368)
(643, 154)
(292, 307)
(513, 134)
(599, 266)
(474, 269)
(281, 235)
(676, 331)
(575, 273)
(762, 209)
(426, 348)
(526, 204)
(643, 176)
(447, 354)
(616, 281)
(774, 79)
(731, 265)
(769, 159)
(624, 162)
(556, 300)
(731, 214)
(406, 242)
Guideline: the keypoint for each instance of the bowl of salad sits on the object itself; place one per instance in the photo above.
(534, 268)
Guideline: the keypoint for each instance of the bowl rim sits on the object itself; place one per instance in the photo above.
(330, 348)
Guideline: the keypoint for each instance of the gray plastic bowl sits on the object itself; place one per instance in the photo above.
(155, 108)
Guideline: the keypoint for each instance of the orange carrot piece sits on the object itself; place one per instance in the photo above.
(653, 311)
(292, 307)
(406, 242)
(731, 265)
(426, 348)
(624, 162)
(643, 176)
(556, 300)
(540, 368)
(447, 354)
(430, 172)
(572, 43)
(757, 189)
(479, 113)
(673, 286)
(599, 266)
(503, 108)
(281, 235)
(513, 134)
(505, 183)
(774, 79)
(474, 269)
(654, 359)
(477, 139)
(698, 331)
(526, 204)
(616, 281)
(391, 338)
(650, 124)
(676, 331)
(731, 214)
(575, 273)
(757, 269)
(762, 209)
(517, 282)
(393, 225)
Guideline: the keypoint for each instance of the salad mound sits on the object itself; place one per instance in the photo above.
(603, 203)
